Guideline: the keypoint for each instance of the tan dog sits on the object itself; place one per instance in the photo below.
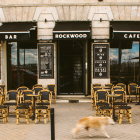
(92, 122)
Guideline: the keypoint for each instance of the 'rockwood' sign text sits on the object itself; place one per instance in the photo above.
(70, 36)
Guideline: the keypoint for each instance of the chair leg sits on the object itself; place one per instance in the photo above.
(45, 113)
(120, 116)
(130, 116)
(17, 115)
(111, 114)
(92, 104)
(3, 112)
(36, 112)
(96, 111)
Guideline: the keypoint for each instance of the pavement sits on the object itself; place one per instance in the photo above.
(66, 116)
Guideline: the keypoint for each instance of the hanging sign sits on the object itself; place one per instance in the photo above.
(100, 55)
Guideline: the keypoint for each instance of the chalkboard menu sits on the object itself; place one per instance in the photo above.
(46, 60)
(100, 61)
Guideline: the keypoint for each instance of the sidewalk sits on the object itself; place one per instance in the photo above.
(66, 117)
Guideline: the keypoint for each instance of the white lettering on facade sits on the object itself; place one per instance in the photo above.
(10, 36)
(70, 35)
(131, 35)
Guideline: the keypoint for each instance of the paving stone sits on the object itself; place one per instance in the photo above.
(66, 117)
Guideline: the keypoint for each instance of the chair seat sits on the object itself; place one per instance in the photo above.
(42, 103)
(41, 107)
(25, 103)
(1, 107)
(22, 107)
(10, 103)
(105, 107)
(134, 93)
(124, 107)
(120, 103)
(98, 104)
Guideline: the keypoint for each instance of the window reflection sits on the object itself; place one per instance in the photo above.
(129, 64)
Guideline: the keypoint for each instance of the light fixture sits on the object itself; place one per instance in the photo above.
(101, 20)
(45, 20)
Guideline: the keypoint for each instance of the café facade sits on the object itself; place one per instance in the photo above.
(72, 45)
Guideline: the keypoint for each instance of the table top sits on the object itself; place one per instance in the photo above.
(113, 95)
(33, 95)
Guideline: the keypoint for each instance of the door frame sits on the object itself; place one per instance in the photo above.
(85, 68)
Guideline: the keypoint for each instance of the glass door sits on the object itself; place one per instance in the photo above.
(21, 65)
(28, 67)
(71, 75)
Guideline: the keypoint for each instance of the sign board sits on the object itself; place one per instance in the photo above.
(46, 60)
(100, 60)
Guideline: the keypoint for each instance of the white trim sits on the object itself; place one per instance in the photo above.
(126, 31)
(13, 32)
(69, 31)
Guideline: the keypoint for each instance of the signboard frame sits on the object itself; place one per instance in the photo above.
(46, 61)
(100, 60)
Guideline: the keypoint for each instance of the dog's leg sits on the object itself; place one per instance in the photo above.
(87, 129)
(103, 129)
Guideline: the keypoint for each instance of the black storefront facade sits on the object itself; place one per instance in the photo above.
(20, 39)
(125, 36)
(73, 57)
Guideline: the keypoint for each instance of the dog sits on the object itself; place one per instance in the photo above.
(92, 122)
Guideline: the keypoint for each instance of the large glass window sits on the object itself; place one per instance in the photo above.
(129, 67)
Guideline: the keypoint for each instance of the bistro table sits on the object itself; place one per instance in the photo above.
(33, 95)
(113, 96)
(138, 89)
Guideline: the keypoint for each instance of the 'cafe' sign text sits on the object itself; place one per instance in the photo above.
(131, 35)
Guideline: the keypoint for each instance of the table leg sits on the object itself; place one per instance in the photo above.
(33, 117)
(114, 117)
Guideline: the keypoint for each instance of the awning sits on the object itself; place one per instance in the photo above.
(125, 30)
(18, 31)
(71, 30)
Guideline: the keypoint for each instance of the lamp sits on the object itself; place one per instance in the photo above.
(100, 19)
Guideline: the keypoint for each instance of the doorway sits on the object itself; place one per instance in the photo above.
(71, 67)
(21, 64)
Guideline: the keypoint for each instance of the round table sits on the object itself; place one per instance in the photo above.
(113, 96)
(33, 95)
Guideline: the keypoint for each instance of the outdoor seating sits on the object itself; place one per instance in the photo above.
(109, 85)
(37, 89)
(122, 85)
(94, 89)
(121, 100)
(37, 85)
(26, 100)
(11, 99)
(52, 88)
(101, 100)
(3, 88)
(124, 112)
(43, 104)
(132, 91)
(24, 106)
(3, 109)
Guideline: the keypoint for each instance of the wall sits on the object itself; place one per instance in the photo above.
(65, 10)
